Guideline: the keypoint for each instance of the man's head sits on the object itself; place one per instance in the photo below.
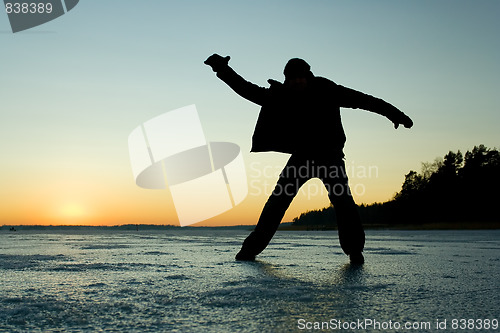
(297, 74)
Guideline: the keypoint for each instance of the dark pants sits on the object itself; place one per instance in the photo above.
(298, 170)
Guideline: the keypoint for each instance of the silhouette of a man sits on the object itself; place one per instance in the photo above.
(302, 117)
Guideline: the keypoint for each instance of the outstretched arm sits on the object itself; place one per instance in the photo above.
(357, 100)
(245, 89)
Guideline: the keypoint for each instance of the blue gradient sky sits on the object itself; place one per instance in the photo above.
(73, 89)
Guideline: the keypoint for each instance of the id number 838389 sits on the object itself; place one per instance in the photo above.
(28, 8)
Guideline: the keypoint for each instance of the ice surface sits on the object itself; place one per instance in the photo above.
(186, 280)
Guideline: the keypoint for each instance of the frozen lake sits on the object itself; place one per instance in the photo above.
(186, 280)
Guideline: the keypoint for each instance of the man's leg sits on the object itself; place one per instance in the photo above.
(350, 229)
(287, 187)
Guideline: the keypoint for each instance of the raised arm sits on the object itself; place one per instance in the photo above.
(245, 89)
(357, 100)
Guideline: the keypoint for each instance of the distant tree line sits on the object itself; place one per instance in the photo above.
(456, 188)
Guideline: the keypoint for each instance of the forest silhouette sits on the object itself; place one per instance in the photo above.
(454, 189)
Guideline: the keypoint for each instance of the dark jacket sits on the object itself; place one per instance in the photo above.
(301, 123)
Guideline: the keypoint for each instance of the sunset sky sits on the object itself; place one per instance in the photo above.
(73, 89)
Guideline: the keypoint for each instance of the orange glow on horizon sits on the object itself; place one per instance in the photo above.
(154, 208)
(109, 203)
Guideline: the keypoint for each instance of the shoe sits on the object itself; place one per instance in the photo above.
(245, 256)
(357, 258)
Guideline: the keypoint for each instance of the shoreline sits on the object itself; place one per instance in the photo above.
(285, 226)
(423, 226)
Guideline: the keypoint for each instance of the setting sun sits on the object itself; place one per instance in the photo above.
(72, 212)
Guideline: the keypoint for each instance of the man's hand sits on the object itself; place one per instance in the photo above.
(217, 62)
(400, 118)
